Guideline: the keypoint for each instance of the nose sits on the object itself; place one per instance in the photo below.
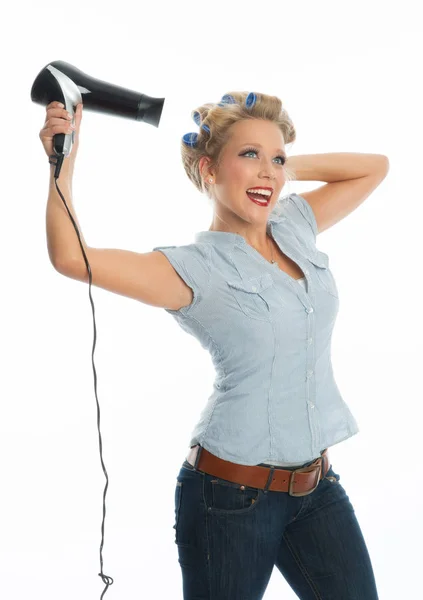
(269, 175)
(268, 171)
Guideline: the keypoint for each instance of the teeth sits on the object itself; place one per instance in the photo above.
(260, 191)
(264, 192)
(261, 201)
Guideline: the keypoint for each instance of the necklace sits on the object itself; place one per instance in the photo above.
(273, 262)
(271, 250)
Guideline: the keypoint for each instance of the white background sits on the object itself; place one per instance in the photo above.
(349, 75)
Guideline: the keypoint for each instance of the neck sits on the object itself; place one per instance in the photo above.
(261, 242)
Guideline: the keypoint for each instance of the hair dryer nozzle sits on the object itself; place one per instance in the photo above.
(150, 110)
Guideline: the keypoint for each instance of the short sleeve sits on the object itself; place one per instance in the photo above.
(192, 263)
(300, 211)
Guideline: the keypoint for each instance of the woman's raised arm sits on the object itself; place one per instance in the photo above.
(148, 277)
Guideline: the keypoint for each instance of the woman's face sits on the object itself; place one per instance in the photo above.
(241, 169)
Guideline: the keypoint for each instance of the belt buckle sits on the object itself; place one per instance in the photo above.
(317, 468)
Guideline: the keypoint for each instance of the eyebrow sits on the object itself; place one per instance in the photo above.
(260, 146)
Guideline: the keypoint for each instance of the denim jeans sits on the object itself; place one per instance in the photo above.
(229, 540)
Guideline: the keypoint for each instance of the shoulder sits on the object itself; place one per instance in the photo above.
(196, 251)
(295, 210)
(192, 263)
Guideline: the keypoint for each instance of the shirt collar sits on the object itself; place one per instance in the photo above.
(228, 238)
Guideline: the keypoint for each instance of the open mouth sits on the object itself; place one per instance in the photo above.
(260, 199)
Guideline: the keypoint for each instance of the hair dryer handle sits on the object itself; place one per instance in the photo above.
(63, 143)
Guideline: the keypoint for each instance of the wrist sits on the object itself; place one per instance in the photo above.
(68, 166)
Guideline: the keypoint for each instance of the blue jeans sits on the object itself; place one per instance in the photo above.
(229, 540)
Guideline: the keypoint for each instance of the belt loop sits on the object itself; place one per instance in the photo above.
(269, 479)
(197, 458)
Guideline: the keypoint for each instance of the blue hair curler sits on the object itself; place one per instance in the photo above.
(227, 99)
(190, 139)
(250, 100)
(197, 118)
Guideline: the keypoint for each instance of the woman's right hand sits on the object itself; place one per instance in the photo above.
(57, 121)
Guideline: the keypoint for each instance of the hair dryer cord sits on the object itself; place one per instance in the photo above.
(58, 160)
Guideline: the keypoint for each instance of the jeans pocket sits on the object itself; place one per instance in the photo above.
(187, 465)
(225, 497)
(178, 497)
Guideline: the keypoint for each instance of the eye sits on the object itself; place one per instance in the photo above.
(283, 159)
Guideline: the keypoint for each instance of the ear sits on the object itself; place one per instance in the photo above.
(205, 171)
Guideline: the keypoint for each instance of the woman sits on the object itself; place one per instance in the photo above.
(257, 488)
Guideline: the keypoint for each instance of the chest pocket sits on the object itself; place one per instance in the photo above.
(320, 260)
(257, 297)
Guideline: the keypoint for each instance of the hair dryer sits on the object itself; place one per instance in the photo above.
(62, 82)
(59, 81)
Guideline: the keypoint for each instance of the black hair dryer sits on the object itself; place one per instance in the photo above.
(62, 82)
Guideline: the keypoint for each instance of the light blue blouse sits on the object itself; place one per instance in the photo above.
(274, 398)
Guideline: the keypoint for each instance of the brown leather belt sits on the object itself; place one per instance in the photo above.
(298, 482)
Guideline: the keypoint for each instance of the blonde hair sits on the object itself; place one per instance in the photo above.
(219, 119)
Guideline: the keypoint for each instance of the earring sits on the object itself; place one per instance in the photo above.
(210, 180)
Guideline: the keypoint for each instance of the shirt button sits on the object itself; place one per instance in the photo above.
(309, 373)
(309, 310)
(310, 340)
(311, 405)
(254, 288)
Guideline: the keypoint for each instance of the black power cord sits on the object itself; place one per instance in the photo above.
(57, 160)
